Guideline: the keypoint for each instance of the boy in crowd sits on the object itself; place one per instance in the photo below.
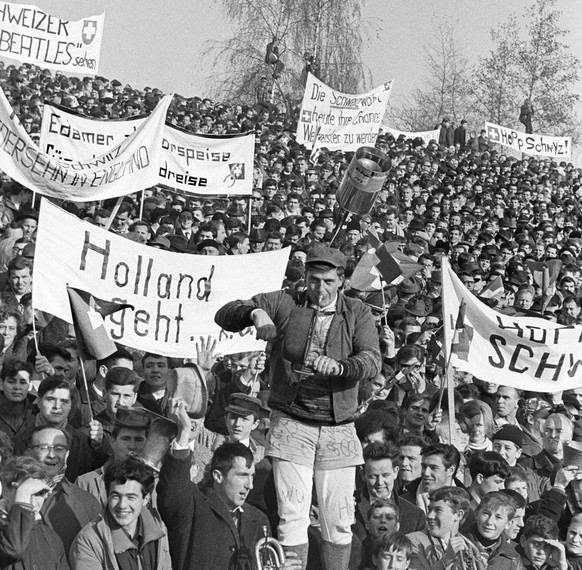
(493, 516)
(488, 473)
(441, 546)
(539, 547)
(392, 552)
(516, 523)
(383, 519)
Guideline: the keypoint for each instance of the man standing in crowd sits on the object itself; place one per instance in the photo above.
(212, 527)
(315, 397)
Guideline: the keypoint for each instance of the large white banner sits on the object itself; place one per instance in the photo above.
(426, 136)
(339, 120)
(175, 295)
(199, 164)
(539, 145)
(128, 167)
(524, 352)
(29, 34)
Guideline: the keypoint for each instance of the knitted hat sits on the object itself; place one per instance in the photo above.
(509, 433)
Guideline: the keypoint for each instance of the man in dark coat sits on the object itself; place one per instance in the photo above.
(460, 137)
(211, 528)
(446, 134)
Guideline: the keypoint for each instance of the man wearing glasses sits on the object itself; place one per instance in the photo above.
(67, 508)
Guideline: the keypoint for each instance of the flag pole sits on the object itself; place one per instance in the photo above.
(114, 213)
(345, 215)
(545, 286)
(141, 204)
(34, 331)
(86, 385)
(385, 317)
(447, 348)
(250, 214)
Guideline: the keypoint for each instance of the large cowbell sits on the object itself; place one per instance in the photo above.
(363, 180)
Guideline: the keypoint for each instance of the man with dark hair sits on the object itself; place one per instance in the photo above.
(152, 390)
(314, 394)
(460, 135)
(410, 452)
(441, 541)
(378, 425)
(52, 359)
(16, 403)
(539, 546)
(127, 535)
(122, 219)
(488, 473)
(120, 358)
(274, 241)
(212, 527)
(186, 228)
(439, 464)
(128, 438)
(238, 243)
(19, 280)
(379, 473)
(121, 385)
(416, 408)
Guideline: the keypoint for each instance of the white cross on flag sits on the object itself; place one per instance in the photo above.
(89, 31)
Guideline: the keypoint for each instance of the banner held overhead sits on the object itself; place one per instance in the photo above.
(339, 121)
(31, 35)
(527, 353)
(174, 295)
(128, 167)
(426, 136)
(538, 145)
(195, 163)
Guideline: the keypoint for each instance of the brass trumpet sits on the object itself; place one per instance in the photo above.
(269, 554)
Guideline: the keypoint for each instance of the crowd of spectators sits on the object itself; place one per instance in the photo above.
(504, 493)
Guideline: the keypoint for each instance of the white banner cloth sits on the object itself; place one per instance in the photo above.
(527, 353)
(128, 167)
(167, 289)
(538, 145)
(199, 164)
(340, 121)
(30, 34)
